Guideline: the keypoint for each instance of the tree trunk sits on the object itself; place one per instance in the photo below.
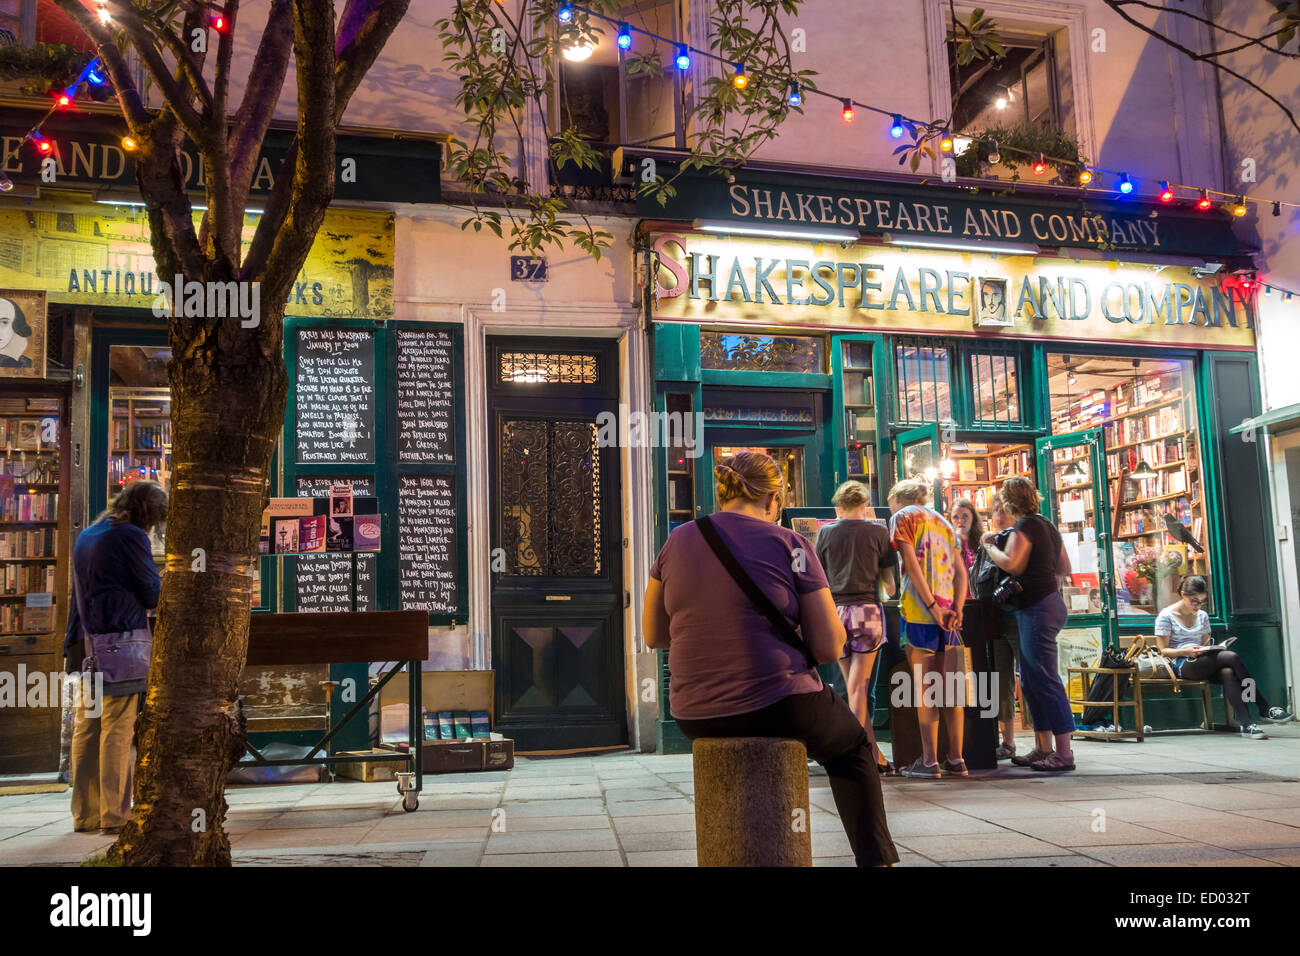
(228, 387)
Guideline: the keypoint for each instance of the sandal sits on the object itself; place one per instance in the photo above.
(1052, 763)
(1024, 760)
(887, 769)
(1004, 752)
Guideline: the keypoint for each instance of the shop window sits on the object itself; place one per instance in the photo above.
(762, 353)
(681, 459)
(555, 368)
(139, 424)
(1154, 502)
(788, 458)
(995, 388)
(923, 383)
(858, 386)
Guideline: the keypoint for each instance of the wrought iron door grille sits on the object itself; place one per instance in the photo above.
(549, 519)
(557, 368)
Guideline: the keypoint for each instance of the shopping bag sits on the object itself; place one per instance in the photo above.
(958, 674)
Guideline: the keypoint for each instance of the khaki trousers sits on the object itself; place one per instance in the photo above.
(103, 764)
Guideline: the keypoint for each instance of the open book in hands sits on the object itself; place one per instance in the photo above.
(1212, 648)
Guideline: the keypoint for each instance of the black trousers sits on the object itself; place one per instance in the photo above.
(835, 739)
(1228, 669)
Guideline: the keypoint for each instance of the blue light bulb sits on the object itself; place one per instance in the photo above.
(896, 127)
(624, 36)
(565, 14)
(795, 98)
(1125, 184)
(683, 59)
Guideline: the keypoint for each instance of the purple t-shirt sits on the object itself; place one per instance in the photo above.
(724, 654)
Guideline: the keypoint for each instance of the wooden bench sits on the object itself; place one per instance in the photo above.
(1140, 684)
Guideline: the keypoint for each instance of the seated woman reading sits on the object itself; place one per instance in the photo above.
(1183, 634)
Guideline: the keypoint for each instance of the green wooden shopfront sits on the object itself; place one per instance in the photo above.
(1110, 378)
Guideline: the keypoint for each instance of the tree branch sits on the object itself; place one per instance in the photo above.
(137, 117)
(364, 28)
(266, 79)
(142, 39)
(1118, 5)
(1250, 40)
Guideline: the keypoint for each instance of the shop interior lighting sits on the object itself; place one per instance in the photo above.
(775, 231)
(1012, 248)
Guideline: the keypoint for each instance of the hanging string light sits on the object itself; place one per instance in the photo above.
(1086, 173)
(1239, 207)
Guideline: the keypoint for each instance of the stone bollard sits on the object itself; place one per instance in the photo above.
(751, 802)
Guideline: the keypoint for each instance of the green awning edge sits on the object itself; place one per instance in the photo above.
(1287, 414)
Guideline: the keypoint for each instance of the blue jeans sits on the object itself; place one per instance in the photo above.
(1039, 624)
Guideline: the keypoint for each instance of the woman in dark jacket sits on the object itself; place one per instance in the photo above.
(115, 583)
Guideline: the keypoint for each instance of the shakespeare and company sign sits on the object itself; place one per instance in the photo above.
(708, 279)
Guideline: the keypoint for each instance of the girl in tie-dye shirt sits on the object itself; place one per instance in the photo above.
(934, 591)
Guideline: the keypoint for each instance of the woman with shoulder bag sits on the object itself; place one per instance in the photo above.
(115, 583)
(1035, 554)
(725, 596)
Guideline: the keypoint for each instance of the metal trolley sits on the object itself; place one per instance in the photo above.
(350, 637)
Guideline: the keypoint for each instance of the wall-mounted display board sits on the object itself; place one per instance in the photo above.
(334, 394)
(381, 406)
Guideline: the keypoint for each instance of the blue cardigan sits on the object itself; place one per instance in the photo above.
(113, 566)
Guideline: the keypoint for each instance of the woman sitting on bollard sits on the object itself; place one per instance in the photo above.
(738, 667)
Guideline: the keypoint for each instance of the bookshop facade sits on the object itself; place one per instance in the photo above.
(1110, 378)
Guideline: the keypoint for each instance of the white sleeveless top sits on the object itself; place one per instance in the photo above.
(1167, 625)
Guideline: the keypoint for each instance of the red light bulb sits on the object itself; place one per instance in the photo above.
(64, 100)
(1166, 194)
(1204, 202)
(847, 112)
(218, 22)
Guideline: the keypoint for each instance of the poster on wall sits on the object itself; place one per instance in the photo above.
(22, 333)
(1076, 647)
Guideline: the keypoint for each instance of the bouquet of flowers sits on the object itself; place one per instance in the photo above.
(1148, 565)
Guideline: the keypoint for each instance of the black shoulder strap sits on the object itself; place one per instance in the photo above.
(784, 629)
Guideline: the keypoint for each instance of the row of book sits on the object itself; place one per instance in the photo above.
(313, 534)
(1015, 463)
(1084, 495)
(16, 619)
(122, 470)
(1168, 452)
(27, 578)
(1140, 520)
(43, 506)
(456, 725)
(1090, 410)
(1157, 424)
(1144, 390)
(1170, 482)
(39, 543)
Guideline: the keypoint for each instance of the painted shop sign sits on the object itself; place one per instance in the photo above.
(903, 209)
(88, 152)
(724, 414)
(711, 279)
(91, 254)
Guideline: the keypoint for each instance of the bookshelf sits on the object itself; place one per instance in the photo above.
(32, 512)
(859, 389)
(981, 470)
(139, 436)
(681, 478)
(1152, 463)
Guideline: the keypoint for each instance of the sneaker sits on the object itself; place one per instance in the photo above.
(1276, 715)
(1252, 732)
(1024, 760)
(1053, 763)
(1004, 752)
(954, 768)
(918, 768)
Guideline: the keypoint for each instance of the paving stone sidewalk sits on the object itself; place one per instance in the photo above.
(1186, 800)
